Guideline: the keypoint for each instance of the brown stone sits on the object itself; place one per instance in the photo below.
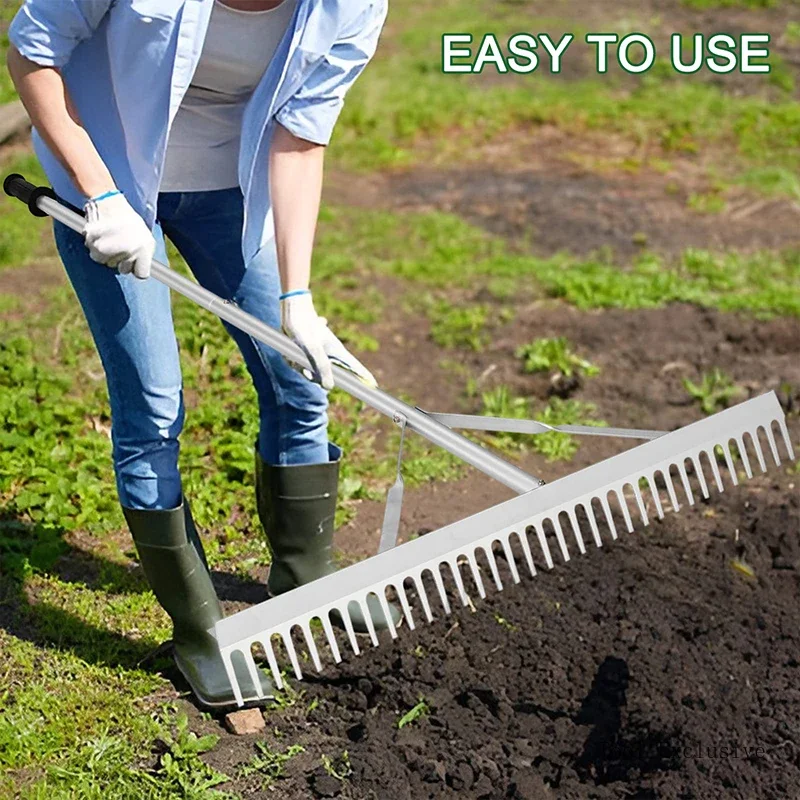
(242, 723)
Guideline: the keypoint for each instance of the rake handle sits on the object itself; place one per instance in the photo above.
(16, 186)
(42, 201)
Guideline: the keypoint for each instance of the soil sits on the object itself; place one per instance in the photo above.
(655, 667)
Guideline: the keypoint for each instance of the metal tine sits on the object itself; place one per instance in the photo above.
(526, 549)
(348, 626)
(609, 517)
(745, 458)
(406, 606)
(759, 452)
(634, 484)
(726, 451)
(289, 645)
(562, 542)
(712, 460)
(700, 476)
(786, 439)
(227, 661)
(312, 645)
(651, 482)
(773, 445)
(476, 574)
(623, 504)
(548, 558)
(487, 549)
(423, 597)
(576, 530)
(387, 613)
(458, 580)
(273, 662)
(401, 594)
(330, 635)
(368, 619)
(512, 564)
(592, 522)
(673, 496)
(252, 670)
(437, 579)
(687, 486)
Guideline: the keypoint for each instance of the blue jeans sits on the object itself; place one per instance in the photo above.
(131, 322)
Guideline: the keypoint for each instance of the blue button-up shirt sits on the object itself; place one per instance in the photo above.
(128, 63)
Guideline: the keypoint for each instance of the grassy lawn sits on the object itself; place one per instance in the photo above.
(85, 710)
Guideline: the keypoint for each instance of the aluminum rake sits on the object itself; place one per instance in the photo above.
(589, 493)
(536, 523)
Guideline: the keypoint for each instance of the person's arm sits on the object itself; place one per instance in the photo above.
(295, 170)
(304, 125)
(41, 90)
(115, 234)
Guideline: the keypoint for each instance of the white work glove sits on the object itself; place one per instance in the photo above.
(117, 236)
(300, 322)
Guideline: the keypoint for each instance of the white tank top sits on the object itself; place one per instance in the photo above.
(203, 148)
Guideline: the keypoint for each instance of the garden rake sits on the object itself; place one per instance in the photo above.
(536, 521)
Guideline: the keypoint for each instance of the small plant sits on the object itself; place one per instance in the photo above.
(499, 402)
(419, 710)
(340, 769)
(459, 326)
(556, 446)
(714, 392)
(504, 623)
(555, 356)
(269, 763)
(181, 763)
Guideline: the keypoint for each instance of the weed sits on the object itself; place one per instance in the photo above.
(562, 446)
(707, 203)
(714, 392)
(459, 326)
(555, 356)
(182, 767)
(500, 402)
(340, 768)
(269, 763)
(421, 709)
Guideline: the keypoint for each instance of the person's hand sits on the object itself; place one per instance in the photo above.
(299, 321)
(117, 236)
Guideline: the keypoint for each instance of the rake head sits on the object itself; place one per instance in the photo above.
(537, 522)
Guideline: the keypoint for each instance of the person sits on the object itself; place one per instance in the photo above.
(204, 121)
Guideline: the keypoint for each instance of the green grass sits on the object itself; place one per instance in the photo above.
(7, 10)
(75, 729)
(20, 234)
(443, 251)
(706, 4)
(384, 121)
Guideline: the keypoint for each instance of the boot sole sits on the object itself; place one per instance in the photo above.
(222, 705)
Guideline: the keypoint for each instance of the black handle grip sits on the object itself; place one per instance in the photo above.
(16, 186)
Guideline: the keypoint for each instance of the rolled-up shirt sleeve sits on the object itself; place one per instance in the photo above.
(311, 113)
(47, 31)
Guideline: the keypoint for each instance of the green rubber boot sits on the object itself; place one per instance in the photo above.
(174, 564)
(296, 505)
